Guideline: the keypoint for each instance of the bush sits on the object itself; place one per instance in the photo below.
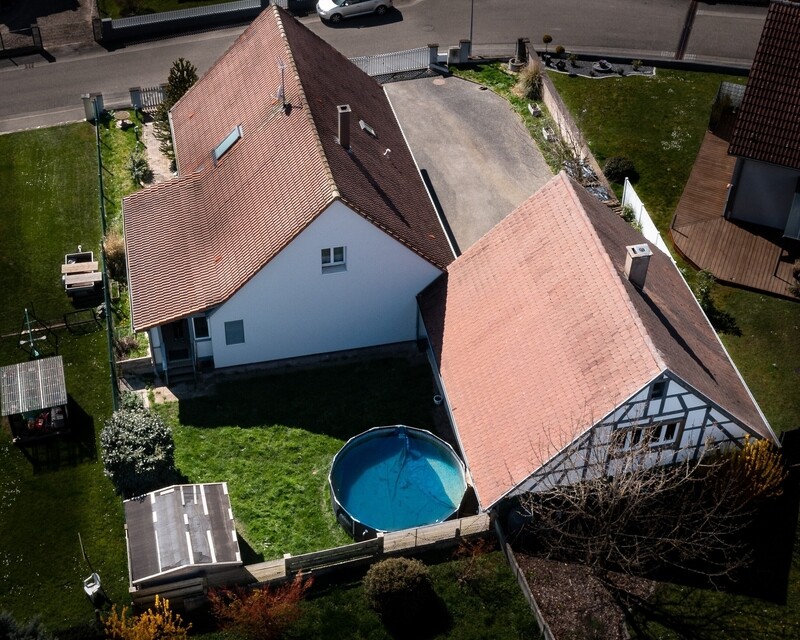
(131, 400)
(395, 586)
(529, 83)
(263, 613)
(636, 64)
(114, 247)
(10, 629)
(158, 622)
(139, 168)
(617, 168)
(138, 452)
(559, 50)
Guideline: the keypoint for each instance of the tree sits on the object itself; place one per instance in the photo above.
(182, 77)
(138, 451)
(547, 39)
(689, 515)
(263, 613)
(155, 623)
(10, 629)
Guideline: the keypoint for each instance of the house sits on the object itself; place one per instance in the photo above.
(765, 186)
(180, 532)
(298, 223)
(561, 327)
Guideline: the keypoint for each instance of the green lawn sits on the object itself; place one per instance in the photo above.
(275, 449)
(49, 191)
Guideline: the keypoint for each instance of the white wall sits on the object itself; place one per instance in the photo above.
(291, 308)
(588, 456)
(764, 193)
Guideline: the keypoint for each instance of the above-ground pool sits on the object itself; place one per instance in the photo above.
(392, 478)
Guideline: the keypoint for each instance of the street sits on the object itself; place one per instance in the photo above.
(37, 92)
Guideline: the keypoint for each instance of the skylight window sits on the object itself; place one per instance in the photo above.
(223, 147)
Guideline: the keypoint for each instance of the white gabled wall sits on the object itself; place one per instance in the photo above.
(291, 308)
(701, 422)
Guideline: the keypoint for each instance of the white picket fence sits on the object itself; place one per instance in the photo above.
(649, 229)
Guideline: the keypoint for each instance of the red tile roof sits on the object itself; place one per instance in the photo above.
(539, 335)
(768, 123)
(196, 240)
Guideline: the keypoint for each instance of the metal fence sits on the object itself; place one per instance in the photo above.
(391, 63)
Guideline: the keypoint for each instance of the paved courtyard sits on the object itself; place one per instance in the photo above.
(479, 156)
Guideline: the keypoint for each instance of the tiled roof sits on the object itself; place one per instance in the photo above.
(539, 335)
(768, 123)
(196, 240)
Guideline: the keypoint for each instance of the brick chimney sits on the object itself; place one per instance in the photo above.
(344, 125)
(637, 259)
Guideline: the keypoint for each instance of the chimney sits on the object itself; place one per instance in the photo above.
(637, 259)
(344, 125)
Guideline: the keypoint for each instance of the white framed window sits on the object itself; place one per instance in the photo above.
(234, 332)
(333, 259)
(200, 327)
(657, 434)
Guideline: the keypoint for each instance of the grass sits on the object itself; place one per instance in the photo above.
(48, 186)
(275, 450)
(125, 8)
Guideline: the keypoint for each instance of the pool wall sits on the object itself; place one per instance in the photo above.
(360, 530)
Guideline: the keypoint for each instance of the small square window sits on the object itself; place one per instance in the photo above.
(201, 327)
(333, 258)
(659, 389)
(234, 332)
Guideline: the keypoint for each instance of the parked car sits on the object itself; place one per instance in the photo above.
(335, 10)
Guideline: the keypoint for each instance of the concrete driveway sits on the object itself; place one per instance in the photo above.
(478, 155)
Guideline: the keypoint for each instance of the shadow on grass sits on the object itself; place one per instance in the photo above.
(336, 400)
(69, 450)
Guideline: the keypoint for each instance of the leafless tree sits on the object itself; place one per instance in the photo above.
(634, 516)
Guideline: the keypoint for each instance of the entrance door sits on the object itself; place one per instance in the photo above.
(176, 341)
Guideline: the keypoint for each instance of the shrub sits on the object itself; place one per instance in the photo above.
(758, 467)
(264, 613)
(617, 168)
(114, 247)
(559, 50)
(158, 622)
(138, 452)
(547, 39)
(131, 400)
(573, 59)
(529, 82)
(395, 586)
(636, 64)
(10, 629)
(139, 168)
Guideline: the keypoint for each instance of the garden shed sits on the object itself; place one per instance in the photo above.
(180, 532)
(33, 396)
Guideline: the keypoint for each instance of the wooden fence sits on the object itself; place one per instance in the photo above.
(184, 593)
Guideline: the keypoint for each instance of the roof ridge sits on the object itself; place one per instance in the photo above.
(616, 278)
(304, 101)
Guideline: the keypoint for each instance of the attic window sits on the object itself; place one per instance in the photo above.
(223, 147)
(659, 389)
(367, 128)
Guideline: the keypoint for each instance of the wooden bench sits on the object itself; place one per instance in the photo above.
(76, 281)
(78, 267)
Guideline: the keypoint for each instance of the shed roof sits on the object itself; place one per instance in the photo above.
(768, 123)
(179, 529)
(538, 335)
(34, 385)
(194, 241)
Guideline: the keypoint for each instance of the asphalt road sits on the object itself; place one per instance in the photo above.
(35, 91)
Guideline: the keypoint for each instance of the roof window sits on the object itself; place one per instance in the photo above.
(222, 148)
(367, 128)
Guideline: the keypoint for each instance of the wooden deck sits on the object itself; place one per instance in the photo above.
(739, 254)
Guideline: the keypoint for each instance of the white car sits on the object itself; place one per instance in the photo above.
(335, 10)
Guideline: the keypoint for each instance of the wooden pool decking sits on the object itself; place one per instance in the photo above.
(744, 255)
